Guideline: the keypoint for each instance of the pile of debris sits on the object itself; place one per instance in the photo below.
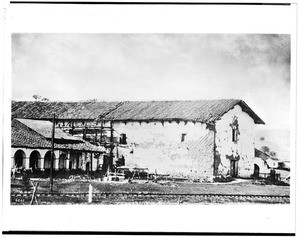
(126, 173)
(79, 177)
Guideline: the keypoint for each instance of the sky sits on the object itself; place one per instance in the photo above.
(118, 67)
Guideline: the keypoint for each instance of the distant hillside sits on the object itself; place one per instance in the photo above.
(277, 140)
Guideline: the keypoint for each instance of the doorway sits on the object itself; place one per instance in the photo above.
(33, 160)
(61, 161)
(234, 168)
(19, 157)
(87, 167)
(256, 171)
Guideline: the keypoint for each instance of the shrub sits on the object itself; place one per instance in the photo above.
(223, 179)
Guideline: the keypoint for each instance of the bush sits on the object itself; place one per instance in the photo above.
(281, 183)
(269, 182)
(223, 179)
(25, 181)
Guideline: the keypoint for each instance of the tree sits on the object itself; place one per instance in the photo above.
(89, 100)
(265, 149)
(37, 97)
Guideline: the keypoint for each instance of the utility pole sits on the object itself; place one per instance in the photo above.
(96, 136)
(111, 144)
(52, 153)
(101, 133)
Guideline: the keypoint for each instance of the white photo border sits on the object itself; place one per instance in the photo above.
(235, 19)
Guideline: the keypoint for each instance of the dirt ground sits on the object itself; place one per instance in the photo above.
(239, 186)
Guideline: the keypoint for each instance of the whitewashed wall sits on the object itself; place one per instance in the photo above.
(263, 168)
(243, 148)
(158, 147)
(272, 163)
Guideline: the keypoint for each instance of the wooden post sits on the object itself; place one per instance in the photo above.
(101, 131)
(35, 186)
(52, 154)
(72, 129)
(90, 194)
(96, 136)
(179, 201)
(92, 159)
(84, 132)
(111, 144)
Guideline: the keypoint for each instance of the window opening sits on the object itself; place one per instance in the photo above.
(123, 139)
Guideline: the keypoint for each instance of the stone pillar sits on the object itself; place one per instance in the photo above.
(41, 163)
(67, 163)
(94, 162)
(26, 163)
(83, 160)
(100, 161)
(56, 159)
(55, 163)
(13, 162)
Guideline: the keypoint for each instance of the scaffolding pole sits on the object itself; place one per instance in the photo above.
(52, 153)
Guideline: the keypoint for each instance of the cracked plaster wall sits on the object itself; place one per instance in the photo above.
(242, 150)
(158, 147)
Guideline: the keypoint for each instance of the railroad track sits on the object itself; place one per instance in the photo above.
(146, 194)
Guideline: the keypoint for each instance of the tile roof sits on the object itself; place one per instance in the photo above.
(264, 156)
(198, 110)
(24, 136)
(44, 128)
(63, 110)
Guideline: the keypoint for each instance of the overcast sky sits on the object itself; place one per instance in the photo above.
(116, 67)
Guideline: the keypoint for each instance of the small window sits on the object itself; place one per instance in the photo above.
(234, 135)
(123, 139)
(183, 137)
(235, 130)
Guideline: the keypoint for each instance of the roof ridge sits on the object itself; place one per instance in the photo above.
(192, 110)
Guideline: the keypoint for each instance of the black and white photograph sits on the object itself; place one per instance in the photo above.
(150, 118)
(160, 118)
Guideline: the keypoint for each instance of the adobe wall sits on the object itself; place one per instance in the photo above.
(158, 147)
(242, 150)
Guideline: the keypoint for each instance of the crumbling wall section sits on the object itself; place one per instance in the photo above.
(241, 150)
(159, 147)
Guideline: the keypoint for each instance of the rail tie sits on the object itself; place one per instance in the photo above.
(143, 194)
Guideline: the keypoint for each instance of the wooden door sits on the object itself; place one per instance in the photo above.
(234, 168)
(256, 171)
